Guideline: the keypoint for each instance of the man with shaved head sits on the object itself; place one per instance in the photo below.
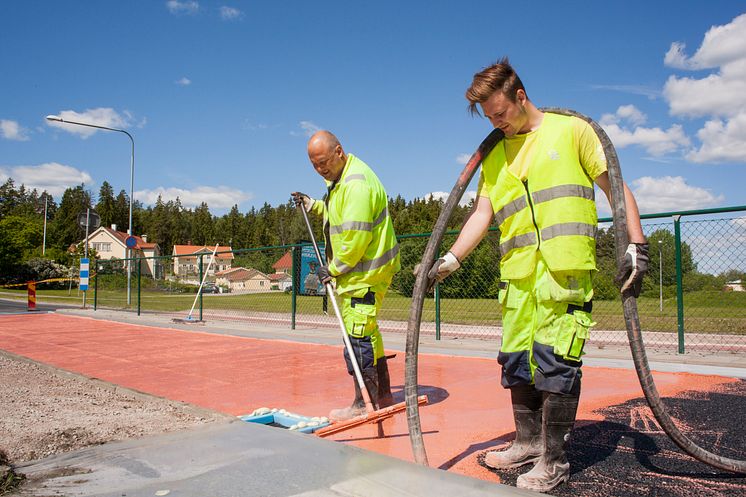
(362, 256)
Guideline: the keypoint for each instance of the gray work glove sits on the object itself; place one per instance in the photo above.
(633, 268)
(323, 274)
(441, 269)
(301, 199)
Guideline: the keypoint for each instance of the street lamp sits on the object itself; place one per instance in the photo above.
(660, 272)
(132, 187)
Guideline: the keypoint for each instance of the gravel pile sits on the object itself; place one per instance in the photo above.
(44, 411)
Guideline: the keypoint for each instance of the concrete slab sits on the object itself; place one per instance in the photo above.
(239, 458)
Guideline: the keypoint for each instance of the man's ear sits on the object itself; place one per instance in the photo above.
(520, 96)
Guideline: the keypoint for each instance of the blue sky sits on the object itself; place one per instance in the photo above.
(221, 96)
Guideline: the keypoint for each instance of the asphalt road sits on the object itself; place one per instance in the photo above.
(8, 306)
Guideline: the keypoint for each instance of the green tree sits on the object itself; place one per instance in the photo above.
(122, 212)
(19, 236)
(64, 227)
(106, 206)
(203, 232)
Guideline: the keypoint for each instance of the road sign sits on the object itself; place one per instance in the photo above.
(92, 219)
(84, 266)
(130, 242)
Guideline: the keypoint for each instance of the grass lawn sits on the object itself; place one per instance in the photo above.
(704, 312)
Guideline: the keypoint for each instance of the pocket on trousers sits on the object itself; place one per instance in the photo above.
(572, 335)
(361, 316)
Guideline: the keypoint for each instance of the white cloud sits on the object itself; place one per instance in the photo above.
(670, 193)
(11, 130)
(463, 158)
(230, 14)
(721, 45)
(51, 176)
(722, 141)
(186, 7)
(465, 200)
(719, 97)
(308, 128)
(216, 197)
(655, 141)
(102, 116)
(183, 82)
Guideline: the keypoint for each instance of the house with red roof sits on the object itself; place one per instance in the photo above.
(284, 264)
(110, 244)
(244, 280)
(186, 259)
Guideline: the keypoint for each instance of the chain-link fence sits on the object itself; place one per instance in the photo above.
(693, 297)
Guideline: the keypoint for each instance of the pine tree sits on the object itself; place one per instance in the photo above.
(106, 206)
(64, 227)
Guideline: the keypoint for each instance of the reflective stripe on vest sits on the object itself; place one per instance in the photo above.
(353, 177)
(359, 225)
(568, 229)
(511, 208)
(561, 191)
(370, 265)
(519, 241)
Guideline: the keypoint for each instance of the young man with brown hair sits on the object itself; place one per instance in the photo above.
(538, 183)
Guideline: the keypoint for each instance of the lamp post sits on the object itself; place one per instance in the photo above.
(660, 272)
(132, 187)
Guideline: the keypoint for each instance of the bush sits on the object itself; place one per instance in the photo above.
(39, 269)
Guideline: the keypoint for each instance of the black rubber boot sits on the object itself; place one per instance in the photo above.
(528, 445)
(553, 467)
(385, 398)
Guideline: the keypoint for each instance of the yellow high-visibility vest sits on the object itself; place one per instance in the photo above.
(364, 250)
(552, 212)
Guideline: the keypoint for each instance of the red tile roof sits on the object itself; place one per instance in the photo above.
(141, 244)
(284, 262)
(240, 274)
(224, 252)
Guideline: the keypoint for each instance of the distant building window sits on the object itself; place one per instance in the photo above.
(101, 246)
(261, 283)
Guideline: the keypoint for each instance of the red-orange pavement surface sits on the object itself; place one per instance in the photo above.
(468, 410)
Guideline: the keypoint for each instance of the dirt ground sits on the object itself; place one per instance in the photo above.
(45, 411)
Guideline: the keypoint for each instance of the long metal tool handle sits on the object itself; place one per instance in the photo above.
(420, 288)
(632, 318)
(202, 283)
(345, 337)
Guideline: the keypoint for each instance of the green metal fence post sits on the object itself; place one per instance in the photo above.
(293, 287)
(437, 311)
(139, 283)
(95, 288)
(200, 293)
(679, 282)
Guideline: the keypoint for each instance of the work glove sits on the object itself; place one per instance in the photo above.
(441, 269)
(323, 274)
(301, 199)
(633, 268)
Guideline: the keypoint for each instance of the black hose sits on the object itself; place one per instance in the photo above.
(629, 303)
(632, 319)
(422, 283)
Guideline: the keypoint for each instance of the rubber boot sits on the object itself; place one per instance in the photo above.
(528, 445)
(385, 398)
(370, 378)
(553, 467)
